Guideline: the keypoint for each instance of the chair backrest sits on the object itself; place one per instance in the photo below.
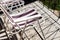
(21, 18)
(12, 4)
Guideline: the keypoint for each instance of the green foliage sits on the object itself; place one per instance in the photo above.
(53, 4)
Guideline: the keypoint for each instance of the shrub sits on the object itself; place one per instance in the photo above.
(53, 4)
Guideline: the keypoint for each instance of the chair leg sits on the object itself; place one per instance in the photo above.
(21, 35)
(14, 37)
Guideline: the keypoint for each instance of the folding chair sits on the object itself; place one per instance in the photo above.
(3, 33)
(21, 20)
